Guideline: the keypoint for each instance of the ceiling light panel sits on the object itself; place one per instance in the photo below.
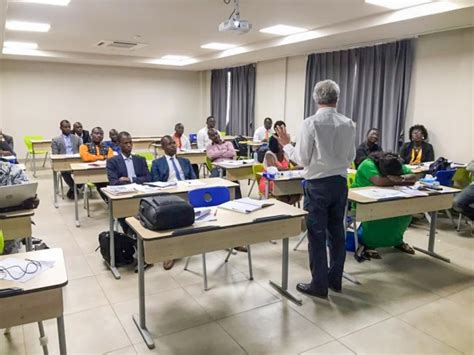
(282, 30)
(27, 26)
(46, 2)
(19, 45)
(218, 46)
(397, 4)
(175, 57)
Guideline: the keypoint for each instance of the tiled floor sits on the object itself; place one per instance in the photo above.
(406, 304)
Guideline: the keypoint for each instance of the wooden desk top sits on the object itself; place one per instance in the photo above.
(40, 141)
(65, 156)
(88, 166)
(354, 197)
(244, 164)
(253, 143)
(49, 279)
(16, 214)
(225, 219)
(181, 188)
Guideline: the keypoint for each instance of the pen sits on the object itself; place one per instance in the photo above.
(215, 212)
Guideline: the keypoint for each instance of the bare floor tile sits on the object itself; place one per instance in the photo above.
(83, 294)
(331, 348)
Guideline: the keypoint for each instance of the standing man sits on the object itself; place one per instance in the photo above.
(263, 134)
(369, 146)
(69, 144)
(203, 135)
(81, 133)
(325, 148)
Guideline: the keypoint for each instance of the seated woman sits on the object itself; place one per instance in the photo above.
(276, 157)
(417, 151)
(383, 169)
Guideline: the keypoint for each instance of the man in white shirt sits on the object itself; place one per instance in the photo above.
(203, 135)
(263, 134)
(325, 148)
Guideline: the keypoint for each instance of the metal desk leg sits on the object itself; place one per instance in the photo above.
(112, 267)
(61, 335)
(431, 242)
(34, 162)
(249, 149)
(55, 188)
(283, 289)
(76, 208)
(141, 322)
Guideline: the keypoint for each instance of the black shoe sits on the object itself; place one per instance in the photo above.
(336, 289)
(306, 288)
(70, 194)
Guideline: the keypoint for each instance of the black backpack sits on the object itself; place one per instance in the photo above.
(261, 153)
(162, 212)
(240, 148)
(124, 248)
(440, 164)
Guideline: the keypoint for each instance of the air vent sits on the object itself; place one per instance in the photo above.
(120, 45)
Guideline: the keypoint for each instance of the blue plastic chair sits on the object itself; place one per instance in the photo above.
(209, 196)
(192, 137)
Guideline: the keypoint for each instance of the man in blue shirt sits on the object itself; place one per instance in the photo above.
(113, 142)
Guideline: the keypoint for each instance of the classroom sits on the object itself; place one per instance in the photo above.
(236, 177)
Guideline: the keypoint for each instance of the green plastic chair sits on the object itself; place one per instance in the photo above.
(350, 179)
(223, 133)
(149, 157)
(256, 168)
(29, 147)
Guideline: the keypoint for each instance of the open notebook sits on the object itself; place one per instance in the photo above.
(245, 205)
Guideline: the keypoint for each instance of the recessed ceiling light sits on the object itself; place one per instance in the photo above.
(19, 45)
(282, 30)
(396, 4)
(27, 26)
(175, 57)
(48, 2)
(218, 46)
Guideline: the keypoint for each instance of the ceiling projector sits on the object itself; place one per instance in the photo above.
(234, 23)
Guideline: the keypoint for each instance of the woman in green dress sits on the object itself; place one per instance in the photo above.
(383, 169)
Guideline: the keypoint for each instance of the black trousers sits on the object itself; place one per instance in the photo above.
(325, 200)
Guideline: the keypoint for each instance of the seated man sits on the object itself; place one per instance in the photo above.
(81, 133)
(203, 134)
(113, 142)
(383, 169)
(263, 134)
(171, 167)
(95, 151)
(126, 168)
(369, 146)
(219, 150)
(66, 143)
(464, 201)
(182, 142)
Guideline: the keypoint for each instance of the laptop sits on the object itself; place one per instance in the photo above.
(14, 195)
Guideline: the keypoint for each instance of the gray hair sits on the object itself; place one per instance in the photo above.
(326, 92)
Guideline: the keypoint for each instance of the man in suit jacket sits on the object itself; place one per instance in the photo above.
(126, 168)
(170, 167)
(81, 133)
(66, 143)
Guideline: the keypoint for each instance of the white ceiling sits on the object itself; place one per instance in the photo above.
(180, 27)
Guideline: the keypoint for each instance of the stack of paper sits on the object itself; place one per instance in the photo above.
(204, 214)
(163, 185)
(381, 194)
(121, 189)
(245, 205)
(235, 163)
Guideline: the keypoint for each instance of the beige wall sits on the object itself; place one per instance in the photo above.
(442, 92)
(36, 96)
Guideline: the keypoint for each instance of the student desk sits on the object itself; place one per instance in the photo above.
(59, 163)
(17, 225)
(238, 172)
(126, 205)
(369, 209)
(36, 146)
(145, 143)
(251, 145)
(87, 173)
(278, 221)
(41, 298)
(195, 156)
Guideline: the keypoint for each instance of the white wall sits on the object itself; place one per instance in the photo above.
(442, 92)
(36, 96)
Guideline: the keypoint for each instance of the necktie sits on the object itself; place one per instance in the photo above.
(176, 169)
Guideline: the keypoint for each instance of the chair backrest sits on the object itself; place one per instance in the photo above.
(223, 133)
(148, 157)
(257, 168)
(28, 139)
(350, 179)
(445, 177)
(193, 137)
(209, 163)
(208, 196)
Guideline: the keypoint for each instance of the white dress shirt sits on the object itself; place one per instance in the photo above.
(185, 143)
(260, 133)
(130, 168)
(172, 172)
(325, 145)
(203, 138)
